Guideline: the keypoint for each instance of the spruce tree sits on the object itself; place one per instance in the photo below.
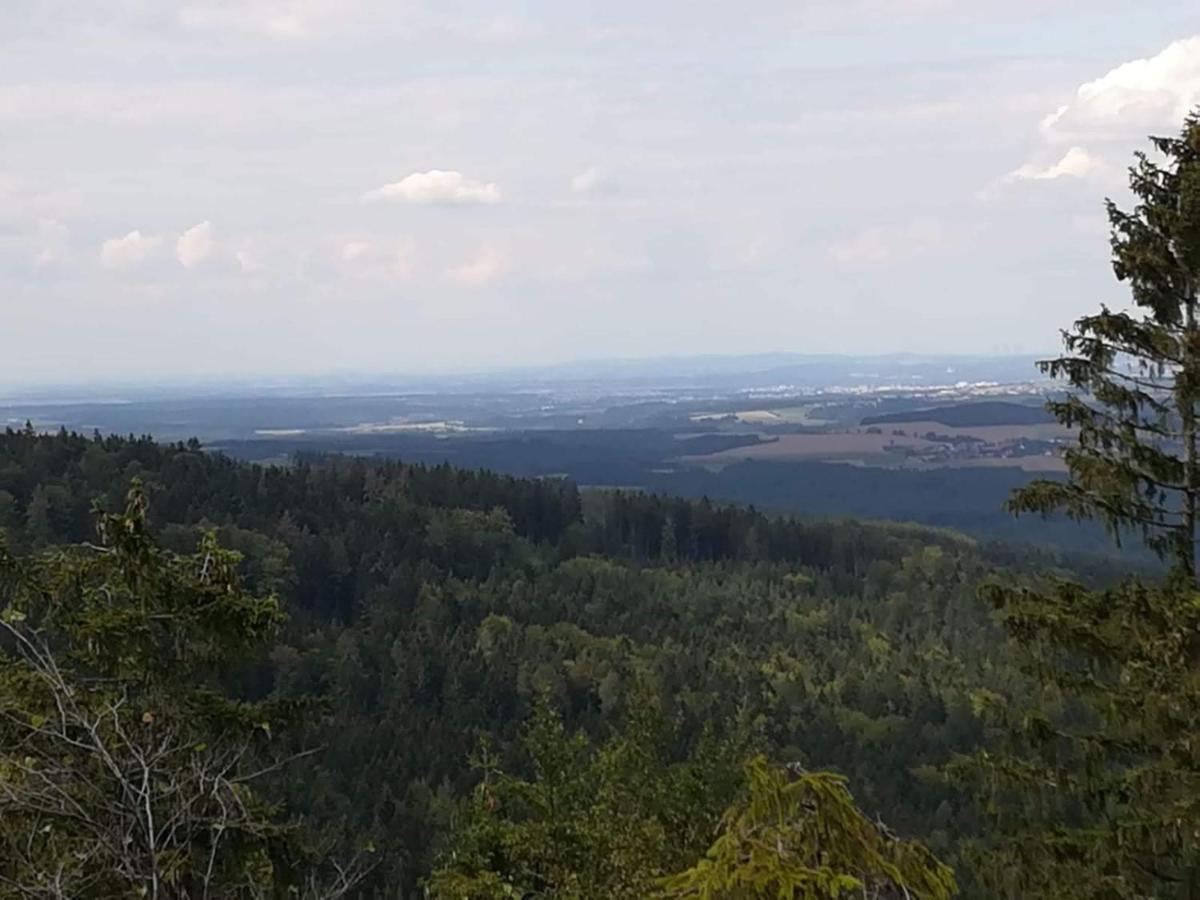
(125, 768)
(1093, 783)
(1135, 375)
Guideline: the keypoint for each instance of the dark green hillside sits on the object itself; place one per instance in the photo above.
(429, 605)
(969, 499)
(967, 415)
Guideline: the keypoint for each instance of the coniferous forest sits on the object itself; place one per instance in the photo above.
(360, 677)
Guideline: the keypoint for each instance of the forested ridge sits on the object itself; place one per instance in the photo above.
(428, 607)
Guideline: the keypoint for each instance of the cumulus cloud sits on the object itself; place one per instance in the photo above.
(129, 251)
(195, 245)
(886, 244)
(1110, 114)
(485, 268)
(436, 186)
(1075, 163)
(1153, 93)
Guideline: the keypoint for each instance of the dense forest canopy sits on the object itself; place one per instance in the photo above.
(430, 607)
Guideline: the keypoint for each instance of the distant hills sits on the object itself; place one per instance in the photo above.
(764, 370)
(802, 371)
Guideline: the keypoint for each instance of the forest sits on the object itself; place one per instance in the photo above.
(431, 607)
(362, 677)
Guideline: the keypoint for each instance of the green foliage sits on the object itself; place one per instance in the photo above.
(1094, 790)
(1137, 375)
(125, 770)
(429, 607)
(421, 619)
(587, 823)
(797, 835)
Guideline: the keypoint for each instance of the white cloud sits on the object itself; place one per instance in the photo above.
(436, 186)
(195, 245)
(880, 245)
(590, 181)
(1075, 163)
(1109, 115)
(128, 251)
(485, 268)
(1153, 93)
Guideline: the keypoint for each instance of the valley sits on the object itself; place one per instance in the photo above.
(879, 437)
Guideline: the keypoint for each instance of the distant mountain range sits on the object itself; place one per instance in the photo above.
(801, 371)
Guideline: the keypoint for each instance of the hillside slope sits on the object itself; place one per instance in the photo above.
(429, 606)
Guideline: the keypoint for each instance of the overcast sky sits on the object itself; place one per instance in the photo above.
(224, 187)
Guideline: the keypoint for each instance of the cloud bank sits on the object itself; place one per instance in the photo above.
(375, 185)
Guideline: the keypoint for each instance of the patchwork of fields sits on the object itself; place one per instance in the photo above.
(917, 445)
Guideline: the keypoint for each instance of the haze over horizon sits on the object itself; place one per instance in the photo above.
(192, 188)
(803, 371)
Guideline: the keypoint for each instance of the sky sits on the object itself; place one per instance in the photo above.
(227, 188)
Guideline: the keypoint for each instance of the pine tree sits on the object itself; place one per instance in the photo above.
(1136, 375)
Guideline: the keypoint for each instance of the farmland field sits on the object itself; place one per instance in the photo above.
(911, 445)
(828, 445)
